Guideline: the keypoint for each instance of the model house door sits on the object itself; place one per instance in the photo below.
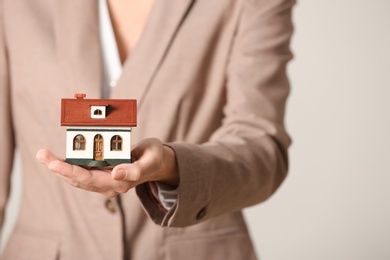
(98, 148)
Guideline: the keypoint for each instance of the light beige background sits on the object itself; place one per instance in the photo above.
(335, 203)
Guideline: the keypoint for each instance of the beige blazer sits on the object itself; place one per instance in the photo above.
(210, 80)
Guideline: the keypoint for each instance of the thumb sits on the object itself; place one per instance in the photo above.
(126, 172)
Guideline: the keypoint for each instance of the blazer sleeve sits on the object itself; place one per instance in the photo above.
(245, 160)
(6, 131)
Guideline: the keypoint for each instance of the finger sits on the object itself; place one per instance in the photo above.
(45, 156)
(82, 177)
(76, 173)
(126, 172)
(53, 162)
(94, 180)
(107, 186)
(140, 170)
(148, 154)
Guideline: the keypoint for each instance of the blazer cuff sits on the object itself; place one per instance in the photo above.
(192, 193)
(152, 206)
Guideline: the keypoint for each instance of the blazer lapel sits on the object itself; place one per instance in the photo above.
(139, 69)
(77, 35)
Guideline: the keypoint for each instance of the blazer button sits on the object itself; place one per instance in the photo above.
(110, 206)
(201, 214)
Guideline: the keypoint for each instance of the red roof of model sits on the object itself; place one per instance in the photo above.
(119, 112)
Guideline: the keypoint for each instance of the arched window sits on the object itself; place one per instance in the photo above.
(116, 143)
(79, 142)
(98, 112)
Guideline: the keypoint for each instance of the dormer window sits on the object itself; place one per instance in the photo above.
(98, 111)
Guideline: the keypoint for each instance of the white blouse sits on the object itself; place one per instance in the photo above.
(112, 66)
(112, 70)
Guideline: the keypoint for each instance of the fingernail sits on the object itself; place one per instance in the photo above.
(120, 174)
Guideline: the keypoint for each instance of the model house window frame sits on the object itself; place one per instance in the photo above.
(116, 143)
(79, 143)
(97, 112)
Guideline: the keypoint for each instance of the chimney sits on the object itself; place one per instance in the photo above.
(80, 96)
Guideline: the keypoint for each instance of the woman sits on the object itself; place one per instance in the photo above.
(210, 80)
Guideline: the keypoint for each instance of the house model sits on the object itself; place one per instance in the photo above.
(98, 131)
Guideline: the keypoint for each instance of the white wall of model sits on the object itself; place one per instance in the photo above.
(89, 134)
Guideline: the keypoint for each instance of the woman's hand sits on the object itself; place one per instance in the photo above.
(152, 162)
